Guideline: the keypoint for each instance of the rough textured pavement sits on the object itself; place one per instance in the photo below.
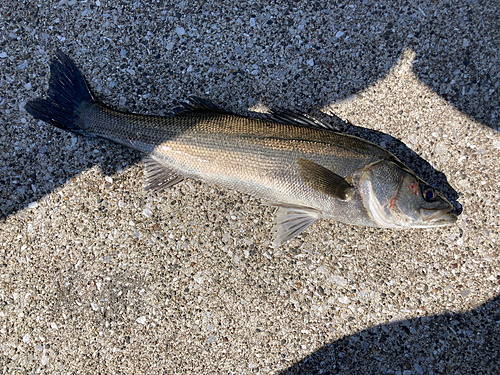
(97, 276)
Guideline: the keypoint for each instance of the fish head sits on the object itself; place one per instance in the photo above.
(395, 197)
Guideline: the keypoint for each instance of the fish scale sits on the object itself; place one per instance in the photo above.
(250, 155)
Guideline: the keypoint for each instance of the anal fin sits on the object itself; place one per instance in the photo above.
(291, 221)
(158, 176)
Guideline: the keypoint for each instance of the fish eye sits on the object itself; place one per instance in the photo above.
(428, 193)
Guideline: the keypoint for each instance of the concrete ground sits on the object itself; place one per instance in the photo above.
(98, 276)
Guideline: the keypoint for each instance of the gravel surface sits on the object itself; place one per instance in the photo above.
(98, 276)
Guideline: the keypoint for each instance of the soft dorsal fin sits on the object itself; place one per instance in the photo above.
(291, 221)
(323, 180)
(297, 119)
(158, 176)
(196, 106)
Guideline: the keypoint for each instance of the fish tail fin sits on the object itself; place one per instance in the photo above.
(67, 97)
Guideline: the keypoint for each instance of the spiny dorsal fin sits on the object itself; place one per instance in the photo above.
(196, 106)
(291, 221)
(297, 119)
(323, 180)
(158, 176)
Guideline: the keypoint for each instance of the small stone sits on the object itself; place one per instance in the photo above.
(464, 293)
(339, 280)
(211, 339)
(26, 338)
(252, 22)
(339, 34)
(108, 179)
(141, 320)
(180, 31)
(323, 269)
(440, 149)
(3, 55)
(44, 360)
(344, 300)
(94, 306)
(23, 65)
(147, 212)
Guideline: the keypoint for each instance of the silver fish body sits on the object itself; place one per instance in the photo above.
(254, 156)
(289, 160)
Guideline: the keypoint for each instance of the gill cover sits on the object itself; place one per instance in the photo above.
(396, 197)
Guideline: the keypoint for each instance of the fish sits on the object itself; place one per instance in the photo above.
(289, 160)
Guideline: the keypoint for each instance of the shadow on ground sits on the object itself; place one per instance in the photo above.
(465, 343)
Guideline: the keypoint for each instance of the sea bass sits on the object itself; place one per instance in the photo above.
(290, 160)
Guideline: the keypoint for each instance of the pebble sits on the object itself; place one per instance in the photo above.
(339, 280)
(344, 300)
(211, 339)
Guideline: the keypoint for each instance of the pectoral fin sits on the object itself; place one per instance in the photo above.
(323, 180)
(291, 221)
(158, 176)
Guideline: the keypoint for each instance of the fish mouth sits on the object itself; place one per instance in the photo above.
(438, 217)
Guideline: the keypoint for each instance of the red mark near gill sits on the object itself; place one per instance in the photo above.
(414, 187)
(391, 203)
